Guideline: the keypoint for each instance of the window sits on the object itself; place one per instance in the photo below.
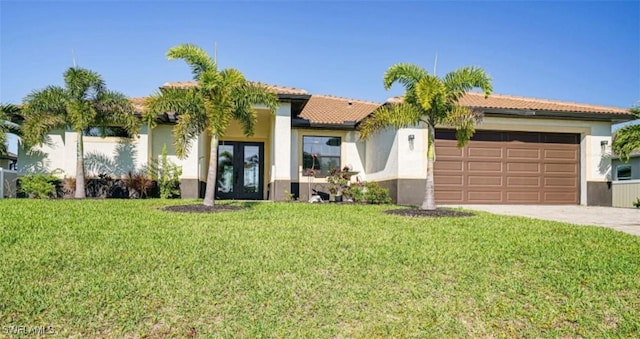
(321, 153)
(623, 172)
(106, 131)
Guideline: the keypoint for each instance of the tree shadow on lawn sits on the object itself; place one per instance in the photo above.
(437, 213)
(200, 208)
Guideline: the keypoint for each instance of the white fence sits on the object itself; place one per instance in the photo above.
(625, 192)
(8, 183)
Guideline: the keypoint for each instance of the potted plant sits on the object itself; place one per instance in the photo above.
(339, 181)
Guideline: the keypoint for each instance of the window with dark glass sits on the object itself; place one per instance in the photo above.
(106, 131)
(623, 172)
(320, 153)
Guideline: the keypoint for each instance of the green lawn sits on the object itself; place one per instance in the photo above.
(113, 268)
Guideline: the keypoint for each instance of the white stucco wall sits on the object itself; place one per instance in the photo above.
(382, 155)
(162, 134)
(110, 155)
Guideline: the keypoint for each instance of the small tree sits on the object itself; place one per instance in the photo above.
(428, 101)
(219, 97)
(83, 102)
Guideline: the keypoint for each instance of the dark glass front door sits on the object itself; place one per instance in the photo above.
(240, 170)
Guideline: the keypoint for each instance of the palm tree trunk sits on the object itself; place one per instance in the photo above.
(209, 194)
(429, 202)
(80, 188)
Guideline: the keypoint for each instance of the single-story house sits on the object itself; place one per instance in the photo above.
(525, 150)
(626, 180)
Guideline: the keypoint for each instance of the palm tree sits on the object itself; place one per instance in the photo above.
(84, 102)
(219, 97)
(627, 138)
(429, 100)
(7, 113)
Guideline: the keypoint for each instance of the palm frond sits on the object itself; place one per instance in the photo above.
(114, 108)
(462, 80)
(625, 141)
(194, 56)
(405, 74)
(189, 126)
(430, 92)
(83, 84)
(464, 120)
(390, 115)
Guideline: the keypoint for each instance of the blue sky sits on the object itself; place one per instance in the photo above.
(574, 51)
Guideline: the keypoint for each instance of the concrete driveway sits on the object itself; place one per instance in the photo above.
(621, 219)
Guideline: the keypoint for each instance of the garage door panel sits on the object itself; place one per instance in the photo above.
(560, 197)
(523, 153)
(523, 167)
(564, 182)
(450, 151)
(484, 180)
(484, 196)
(560, 168)
(451, 197)
(561, 154)
(505, 167)
(484, 166)
(523, 181)
(486, 153)
(448, 180)
(446, 165)
(523, 196)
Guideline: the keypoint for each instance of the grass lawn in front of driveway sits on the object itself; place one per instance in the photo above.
(114, 268)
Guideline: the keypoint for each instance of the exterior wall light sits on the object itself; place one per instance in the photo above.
(603, 146)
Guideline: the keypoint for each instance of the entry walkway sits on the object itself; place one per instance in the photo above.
(621, 219)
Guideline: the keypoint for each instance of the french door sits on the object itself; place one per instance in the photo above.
(240, 170)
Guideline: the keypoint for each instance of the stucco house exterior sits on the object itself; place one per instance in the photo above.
(525, 150)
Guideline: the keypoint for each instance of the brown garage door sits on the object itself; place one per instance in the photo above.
(499, 167)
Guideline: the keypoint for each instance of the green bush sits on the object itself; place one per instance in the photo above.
(167, 175)
(356, 191)
(637, 203)
(374, 194)
(39, 185)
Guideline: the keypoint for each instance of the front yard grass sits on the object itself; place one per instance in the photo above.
(114, 268)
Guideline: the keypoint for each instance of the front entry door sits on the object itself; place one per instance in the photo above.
(240, 170)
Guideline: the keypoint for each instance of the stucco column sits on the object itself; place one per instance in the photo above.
(280, 167)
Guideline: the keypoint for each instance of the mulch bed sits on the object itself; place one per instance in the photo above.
(199, 208)
(440, 212)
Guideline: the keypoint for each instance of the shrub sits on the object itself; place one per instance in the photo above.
(637, 203)
(374, 194)
(39, 185)
(138, 184)
(101, 186)
(357, 192)
(167, 175)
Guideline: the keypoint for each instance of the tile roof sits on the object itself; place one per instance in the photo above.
(499, 101)
(138, 103)
(326, 109)
(276, 88)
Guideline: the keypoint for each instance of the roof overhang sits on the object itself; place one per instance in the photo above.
(304, 123)
(528, 113)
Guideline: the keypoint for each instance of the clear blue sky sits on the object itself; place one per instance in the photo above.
(575, 51)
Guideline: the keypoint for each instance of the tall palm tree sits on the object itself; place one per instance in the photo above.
(219, 97)
(627, 138)
(429, 100)
(84, 102)
(7, 113)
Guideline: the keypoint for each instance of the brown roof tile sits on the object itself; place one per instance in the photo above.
(138, 103)
(276, 88)
(473, 99)
(325, 109)
(499, 101)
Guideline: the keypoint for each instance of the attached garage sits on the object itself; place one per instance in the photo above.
(504, 167)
